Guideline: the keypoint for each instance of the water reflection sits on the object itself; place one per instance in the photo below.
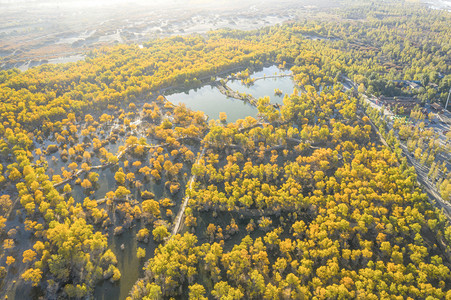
(267, 86)
(129, 265)
(209, 100)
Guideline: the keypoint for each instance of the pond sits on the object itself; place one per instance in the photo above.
(211, 101)
(266, 87)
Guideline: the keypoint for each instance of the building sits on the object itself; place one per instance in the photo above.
(406, 102)
(414, 84)
(436, 107)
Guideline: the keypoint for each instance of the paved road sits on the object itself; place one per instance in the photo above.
(429, 187)
(434, 196)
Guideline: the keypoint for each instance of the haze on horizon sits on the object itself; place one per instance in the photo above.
(41, 30)
(33, 32)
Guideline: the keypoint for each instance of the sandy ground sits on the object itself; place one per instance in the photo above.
(33, 32)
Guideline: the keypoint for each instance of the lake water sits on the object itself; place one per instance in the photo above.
(266, 87)
(210, 100)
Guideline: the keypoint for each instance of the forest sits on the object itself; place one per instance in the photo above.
(310, 200)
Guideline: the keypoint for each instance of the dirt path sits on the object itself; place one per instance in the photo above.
(179, 217)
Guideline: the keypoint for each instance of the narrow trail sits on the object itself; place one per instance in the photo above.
(381, 137)
(179, 217)
(10, 210)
